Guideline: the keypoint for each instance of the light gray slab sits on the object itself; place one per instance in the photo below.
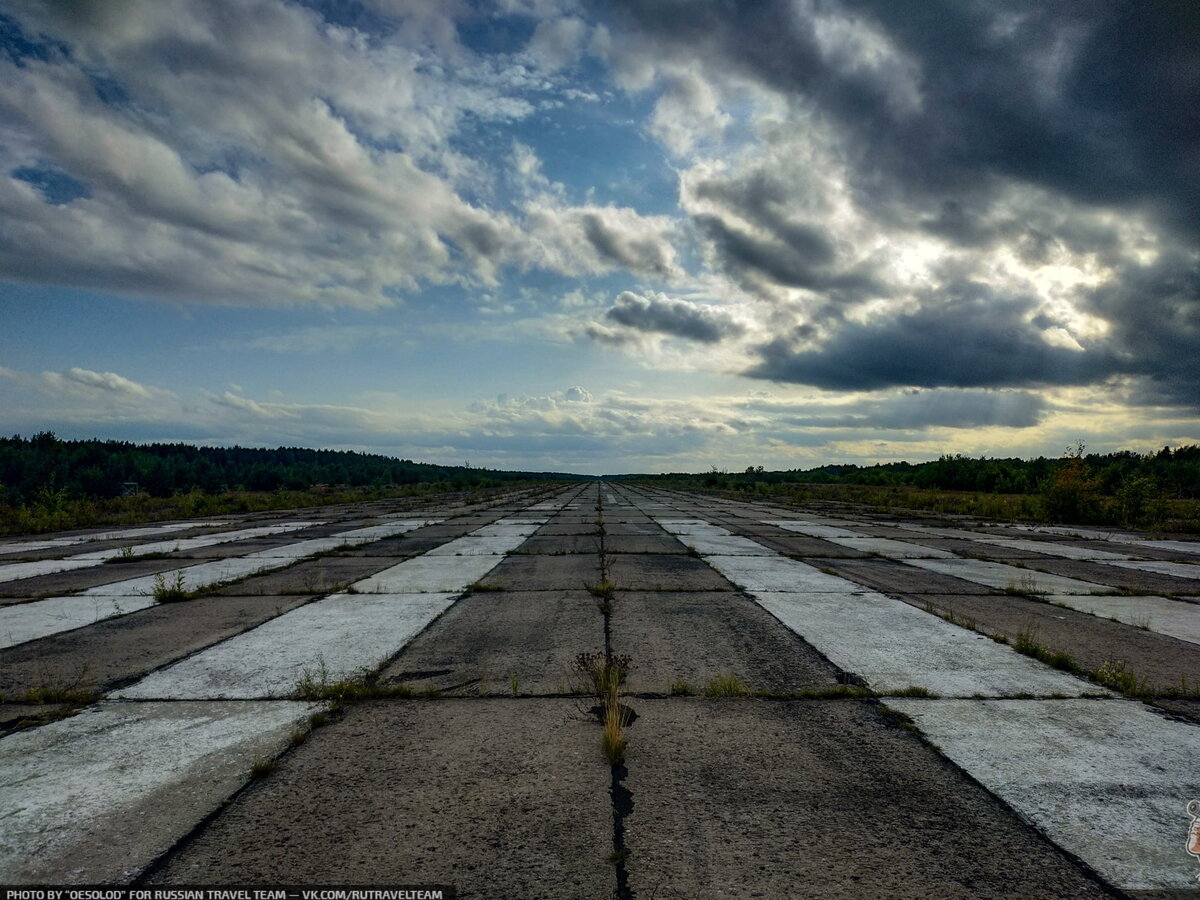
(1177, 546)
(1107, 780)
(48, 543)
(1178, 570)
(34, 568)
(1176, 618)
(891, 549)
(811, 529)
(1001, 576)
(934, 531)
(894, 646)
(195, 543)
(29, 621)
(94, 798)
(352, 538)
(1066, 551)
(778, 573)
(690, 526)
(725, 545)
(430, 573)
(479, 545)
(333, 639)
(194, 577)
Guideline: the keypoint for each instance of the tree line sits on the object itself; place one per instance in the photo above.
(32, 468)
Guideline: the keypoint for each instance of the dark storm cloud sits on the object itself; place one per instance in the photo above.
(680, 318)
(1094, 100)
(974, 339)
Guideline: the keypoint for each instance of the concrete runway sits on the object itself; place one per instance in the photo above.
(823, 703)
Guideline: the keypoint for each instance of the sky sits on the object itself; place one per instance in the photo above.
(603, 237)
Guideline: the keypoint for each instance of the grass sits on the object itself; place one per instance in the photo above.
(602, 675)
(262, 767)
(1026, 642)
(680, 689)
(726, 685)
(318, 685)
(172, 591)
(615, 739)
(127, 555)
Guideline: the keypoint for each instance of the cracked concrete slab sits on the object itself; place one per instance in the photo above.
(1001, 577)
(665, 572)
(93, 799)
(502, 798)
(1107, 780)
(827, 799)
(325, 641)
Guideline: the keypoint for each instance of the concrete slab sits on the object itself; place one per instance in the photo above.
(323, 575)
(429, 573)
(95, 536)
(1001, 577)
(891, 549)
(333, 639)
(1108, 781)
(725, 545)
(93, 799)
(502, 798)
(486, 640)
(778, 573)
(814, 530)
(1052, 548)
(693, 637)
(522, 572)
(124, 648)
(659, 543)
(1176, 618)
(1174, 569)
(38, 567)
(197, 577)
(824, 799)
(29, 621)
(896, 646)
(547, 544)
(664, 572)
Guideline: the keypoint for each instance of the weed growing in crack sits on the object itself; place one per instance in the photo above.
(262, 767)
(616, 719)
(726, 685)
(680, 689)
(319, 685)
(172, 591)
(1026, 642)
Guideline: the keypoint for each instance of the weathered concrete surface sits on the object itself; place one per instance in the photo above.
(121, 649)
(527, 572)
(690, 638)
(998, 575)
(486, 640)
(1092, 642)
(328, 640)
(664, 572)
(29, 621)
(68, 540)
(1107, 780)
(503, 798)
(95, 798)
(825, 799)
(1175, 618)
(429, 573)
(895, 646)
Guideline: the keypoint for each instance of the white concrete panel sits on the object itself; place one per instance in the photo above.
(353, 538)
(956, 533)
(429, 573)
(94, 798)
(195, 543)
(479, 545)
(1065, 551)
(779, 573)
(1107, 780)
(34, 568)
(194, 577)
(1000, 576)
(894, 646)
(28, 621)
(890, 548)
(339, 636)
(1177, 618)
(690, 526)
(725, 545)
(1178, 570)
(1177, 546)
(67, 541)
(812, 529)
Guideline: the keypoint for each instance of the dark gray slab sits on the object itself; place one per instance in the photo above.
(658, 543)
(502, 798)
(80, 579)
(566, 572)
(1133, 580)
(323, 575)
(664, 572)
(487, 639)
(558, 544)
(889, 577)
(746, 798)
(124, 648)
(693, 637)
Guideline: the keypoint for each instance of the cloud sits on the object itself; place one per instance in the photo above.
(679, 318)
(79, 381)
